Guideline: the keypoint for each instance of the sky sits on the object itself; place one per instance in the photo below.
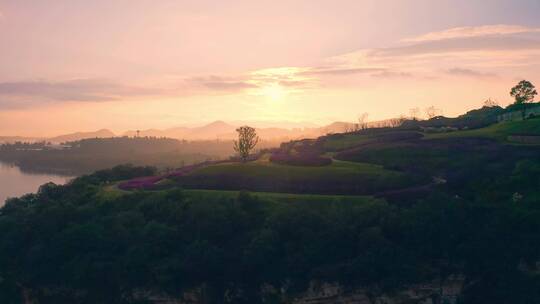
(77, 65)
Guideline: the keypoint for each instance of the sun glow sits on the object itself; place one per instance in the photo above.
(276, 84)
(274, 92)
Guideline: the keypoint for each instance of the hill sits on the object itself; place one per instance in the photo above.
(103, 133)
(401, 215)
(225, 131)
(504, 131)
(88, 242)
(387, 162)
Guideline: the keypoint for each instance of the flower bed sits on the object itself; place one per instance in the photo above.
(151, 182)
(140, 183)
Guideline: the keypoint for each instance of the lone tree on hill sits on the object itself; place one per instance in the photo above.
(247, 140)
(523, 92)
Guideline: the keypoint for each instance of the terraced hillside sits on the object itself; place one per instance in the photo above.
(388, 162)
(340, 177)
(499, 131)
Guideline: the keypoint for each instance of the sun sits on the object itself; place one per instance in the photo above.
(274, 92)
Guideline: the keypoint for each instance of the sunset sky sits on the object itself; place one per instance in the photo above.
(78, 65)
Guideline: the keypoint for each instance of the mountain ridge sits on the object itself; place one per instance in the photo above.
(218, 129)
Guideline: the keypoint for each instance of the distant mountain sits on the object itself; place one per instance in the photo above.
(217, 129)
(276, 124)
(103, 133)
(222, 130)
(336, 127)
(155, 133)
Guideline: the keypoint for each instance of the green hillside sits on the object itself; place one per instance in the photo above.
(498, 131)
(112, 192)
(340, 177)
(371, 162)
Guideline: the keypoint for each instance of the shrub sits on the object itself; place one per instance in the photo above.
(117, 173)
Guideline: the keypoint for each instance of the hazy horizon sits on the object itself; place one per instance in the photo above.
(156, 65)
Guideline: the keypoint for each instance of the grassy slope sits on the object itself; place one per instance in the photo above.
(456, 156)
(336, 171)
(112, 192)
(280, 197)
(499, 131)
(362, 174)
(340, 177)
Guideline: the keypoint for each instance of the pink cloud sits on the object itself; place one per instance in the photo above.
(473, 31)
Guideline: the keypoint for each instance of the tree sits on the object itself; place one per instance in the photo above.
(432, 112)
(490, 103)
(362, 120)
(523, 92)
(247, 140)
(415, 113)
(396, 122)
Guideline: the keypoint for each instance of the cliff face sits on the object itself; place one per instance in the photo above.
(437, 292)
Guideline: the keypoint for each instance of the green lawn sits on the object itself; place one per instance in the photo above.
(341, 177)
(279, 197)
(499, 131)
(112, 192)
(338, 170)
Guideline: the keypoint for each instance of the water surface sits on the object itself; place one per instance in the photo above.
(14, 182)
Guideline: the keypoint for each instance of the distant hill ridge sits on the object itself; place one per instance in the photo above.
(222, 130)
(214, 130)
(102, 133)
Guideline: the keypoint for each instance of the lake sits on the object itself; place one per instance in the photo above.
(14, 182)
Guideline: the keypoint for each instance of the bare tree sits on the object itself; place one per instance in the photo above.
(396, 122)
(431, 112)
(362, 120)
(247, 140)
(490, 103)
(350, 127)
(414, 113)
